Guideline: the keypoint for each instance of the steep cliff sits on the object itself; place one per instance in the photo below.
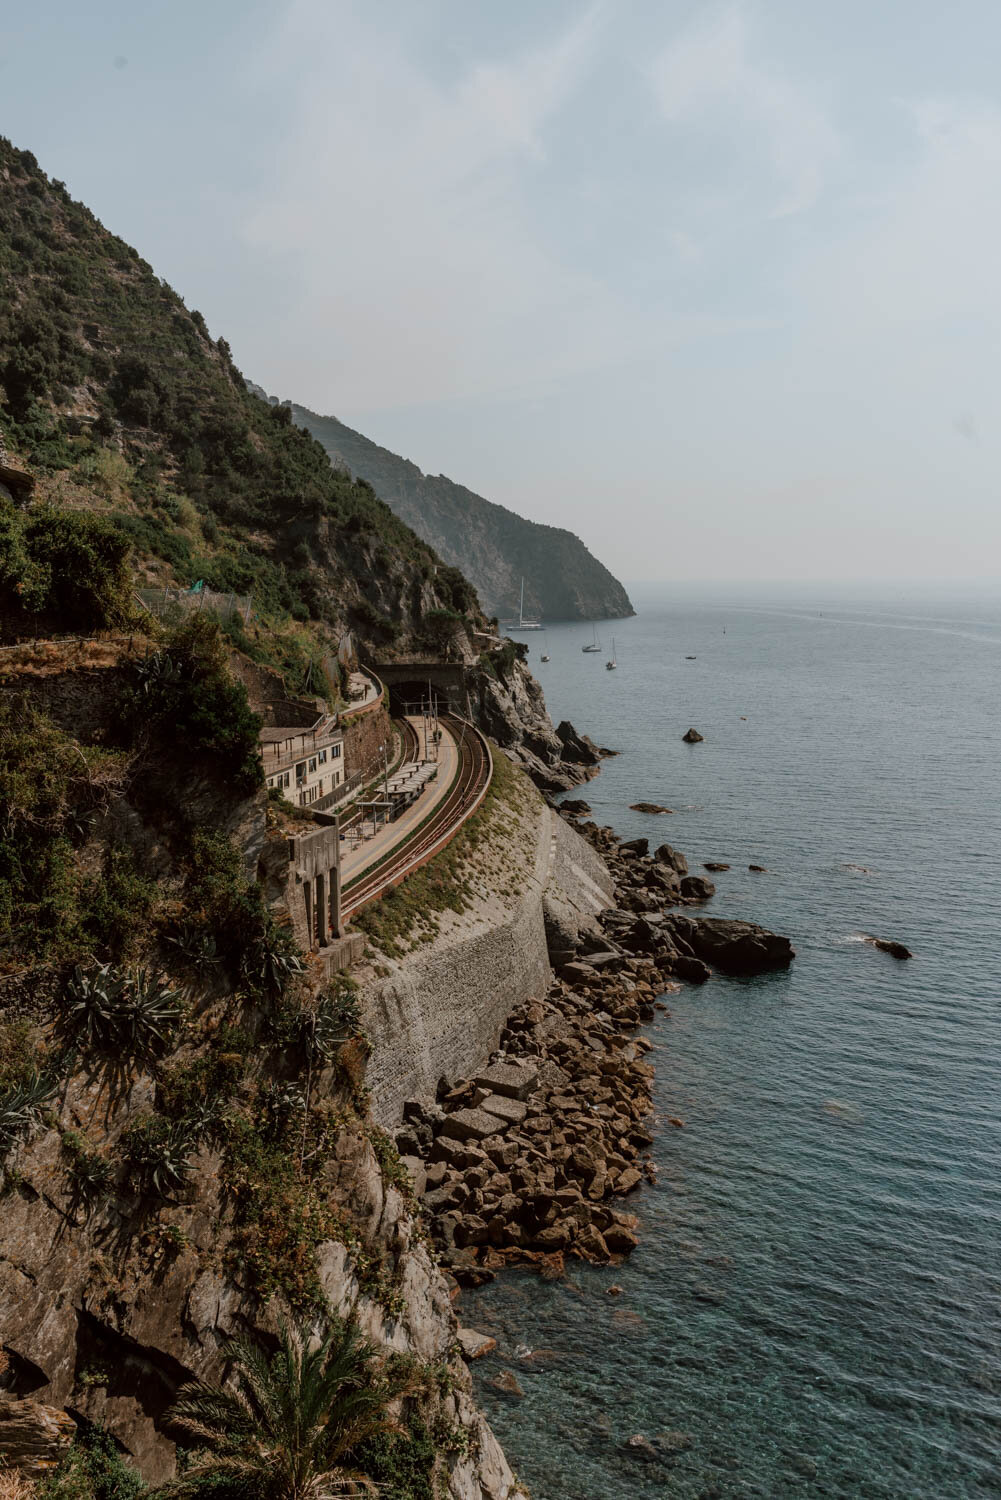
(186, 1144)
(492, 546)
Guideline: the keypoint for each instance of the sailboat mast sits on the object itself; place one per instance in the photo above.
(521, 606)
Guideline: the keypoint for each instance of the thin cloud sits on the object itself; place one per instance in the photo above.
(707, 79)
(399, 205)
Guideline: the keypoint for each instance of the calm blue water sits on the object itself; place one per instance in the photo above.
(816, 1303)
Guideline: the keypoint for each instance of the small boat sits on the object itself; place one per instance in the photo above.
(610, 666)
(544, 656)
(522, 623)
(595, 644)
(690, 658)
(545, 648)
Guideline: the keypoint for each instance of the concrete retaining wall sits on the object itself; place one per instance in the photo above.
(441, 1011)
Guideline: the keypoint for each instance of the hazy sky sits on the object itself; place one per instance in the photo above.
(718, 286)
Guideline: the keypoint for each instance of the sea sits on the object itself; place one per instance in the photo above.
(815, 1305)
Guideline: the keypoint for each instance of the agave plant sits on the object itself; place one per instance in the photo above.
(280, 1101)
(270, 961)
(159, 1154)
(129, 1016)
(21, 1107)
(288, 1425)
(159, 669)
(91, 1175)
(333, 1021)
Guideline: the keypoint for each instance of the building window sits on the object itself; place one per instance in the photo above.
(335, 751)
(300, 773)
(322, 758)
(312, 763)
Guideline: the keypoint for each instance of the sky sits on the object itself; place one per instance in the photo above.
(716, 286)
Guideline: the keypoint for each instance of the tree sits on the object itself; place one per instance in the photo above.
(287, 1427)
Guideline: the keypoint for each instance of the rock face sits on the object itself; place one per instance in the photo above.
(509, 706)
(492, 546)
(692, 737)
(33, 1437)
(739, 948)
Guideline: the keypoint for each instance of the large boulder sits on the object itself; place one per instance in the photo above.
(739, 948)
(33, 1437)
(692, 737)
(471, 1125)
(673, 858)
(697, 888)
(515, 1080)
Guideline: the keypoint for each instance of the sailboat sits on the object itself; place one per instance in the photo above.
(545, 648)
(610, 666)
(595, 644)
(523, 624)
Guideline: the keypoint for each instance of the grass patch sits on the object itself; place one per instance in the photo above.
(410, 913)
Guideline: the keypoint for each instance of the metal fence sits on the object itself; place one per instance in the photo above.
(160, 602)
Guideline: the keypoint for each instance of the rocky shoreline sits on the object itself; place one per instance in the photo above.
(529, 1161)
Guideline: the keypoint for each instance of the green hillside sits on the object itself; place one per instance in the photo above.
(115, 396)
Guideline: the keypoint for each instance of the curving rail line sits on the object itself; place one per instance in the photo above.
(464, 796)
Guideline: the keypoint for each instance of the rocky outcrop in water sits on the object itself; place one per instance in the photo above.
(737, 948)
(511, 709)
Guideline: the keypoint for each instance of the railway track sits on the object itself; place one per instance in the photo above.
(467, 791)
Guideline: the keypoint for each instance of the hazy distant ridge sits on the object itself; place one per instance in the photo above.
(492, 546)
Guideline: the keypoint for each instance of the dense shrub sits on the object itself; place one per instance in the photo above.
(62, 570)
(184, 694)
(94, 1469)
(47, 793)
(222, 904)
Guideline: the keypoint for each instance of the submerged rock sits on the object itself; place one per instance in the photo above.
(506, 1381)
(649, 807)
(888, 945)
(692, 737)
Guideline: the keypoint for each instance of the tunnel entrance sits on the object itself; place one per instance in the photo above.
(416, 698)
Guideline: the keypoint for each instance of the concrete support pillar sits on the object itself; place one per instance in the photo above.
(321, 911)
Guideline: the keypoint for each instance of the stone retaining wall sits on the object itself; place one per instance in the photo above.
(441, 1011)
